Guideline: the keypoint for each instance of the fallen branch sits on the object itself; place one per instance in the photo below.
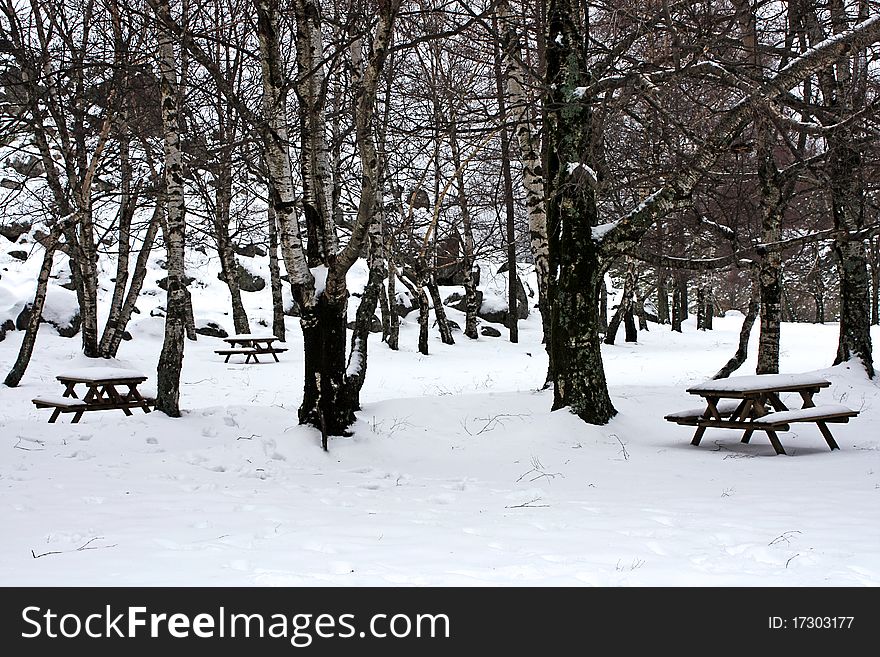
(81, 548)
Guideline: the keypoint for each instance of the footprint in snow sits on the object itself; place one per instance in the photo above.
(152, 441)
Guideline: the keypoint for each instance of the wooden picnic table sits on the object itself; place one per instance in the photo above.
(753, 403)
(106, 388)
(250, 345)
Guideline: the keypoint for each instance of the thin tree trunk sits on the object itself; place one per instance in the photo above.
(33, 325)
(742, 350)
(662, 297)
(472, 304)
(278, 328)
(114, 338)
(507, 178)
(127, 205)
(393, 338)
(440, 313)
(222, 205)
(532, 168)
(624, 308)
(171, 357)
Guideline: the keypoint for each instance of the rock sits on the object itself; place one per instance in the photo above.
(496, 316)
(499, 315)
(490, 332)
(403, 304)
(249, 250)
(126, 336)
(212, 329)
(459, 301)
(24, 317)
(13, 231)
(158, 311)
(70, 329)
(67, 330)
(375, 325)
(247, 281)
(8, 325)
(9, 183)
(163, 282)
(19, 255)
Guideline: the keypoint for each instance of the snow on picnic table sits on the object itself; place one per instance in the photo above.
(758, 382)
(799, 414)
(101, 374)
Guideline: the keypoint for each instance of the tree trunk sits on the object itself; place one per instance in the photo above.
(701, 308)
(631, 333)
(171, 357)
(393, 339)
(356, 369)
(279, 330)
(579, 376)
(127, 206)
(440, 313)
(228, 263)
(472, 305)
(324, 337)
(624, 308)
(662, 297)
(113, 333)
(510, 235)
(532, 168)
(677, 305)
(709, 312)
(742, 350)
(33, 325)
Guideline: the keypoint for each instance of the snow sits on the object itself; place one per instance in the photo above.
(757, 382)
(591, 173)
(320, 274)
(457, 472)
(801, 414)
(250, 336)
(493, 303)
(355, 363)
(100, 373)
(599, 232)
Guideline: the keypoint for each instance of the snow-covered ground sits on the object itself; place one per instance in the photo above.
(457, 472)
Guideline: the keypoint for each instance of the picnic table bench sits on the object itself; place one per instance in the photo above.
(106, 388)
(752, 403)
(250, 345)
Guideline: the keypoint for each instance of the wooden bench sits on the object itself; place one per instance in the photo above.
(781, 420)
(249, 353)
(80, 406)
(691, 416)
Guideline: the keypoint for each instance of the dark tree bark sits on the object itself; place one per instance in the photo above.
(393, 338)
(440, 313)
